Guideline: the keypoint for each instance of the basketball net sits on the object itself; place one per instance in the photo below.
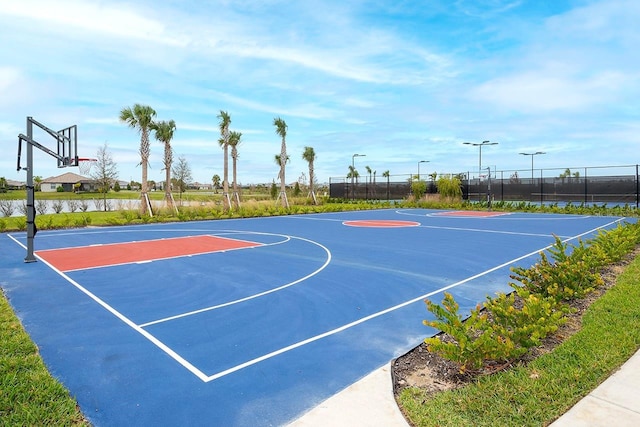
(85, 165)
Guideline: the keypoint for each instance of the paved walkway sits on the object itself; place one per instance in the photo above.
(367, 403)
(616, 402)
(370, 403)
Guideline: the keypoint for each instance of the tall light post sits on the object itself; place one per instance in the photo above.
(532, 156)
(480, 145)
(489, 188)
(353, 172)
(421, 161)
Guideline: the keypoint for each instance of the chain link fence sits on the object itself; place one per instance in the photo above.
(589, 185)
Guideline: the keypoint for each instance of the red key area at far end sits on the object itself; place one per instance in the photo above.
(79, 258)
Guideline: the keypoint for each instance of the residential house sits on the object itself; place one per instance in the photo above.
(15, 185)
(199, 186)
(69, 182)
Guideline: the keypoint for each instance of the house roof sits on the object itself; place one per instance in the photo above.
(65, 178)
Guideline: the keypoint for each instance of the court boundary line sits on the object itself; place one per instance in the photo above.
(475, 230)
(565, 217)
(162, 346)
(142, 241)
(389, 310)
(207, 378)
(479, 230)
(250, 297)
(258, 245)
(152, 338)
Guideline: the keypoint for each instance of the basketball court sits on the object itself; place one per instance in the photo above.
(254, 321)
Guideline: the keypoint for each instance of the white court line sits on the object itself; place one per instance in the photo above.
(161, 239)
(386, 311)
(505, 217)
(191, 368)
(311, 218)
(213, 233)
(208, 378)
(250, 297)
(146, 261)
(476, 230)
(133, 241)
(481, 230)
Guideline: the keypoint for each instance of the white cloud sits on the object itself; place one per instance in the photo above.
(9, 77)
(533, 92)
(111, 18)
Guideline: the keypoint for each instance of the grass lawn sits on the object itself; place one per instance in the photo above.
(29, 395)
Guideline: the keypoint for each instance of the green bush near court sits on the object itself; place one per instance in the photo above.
(538, 393)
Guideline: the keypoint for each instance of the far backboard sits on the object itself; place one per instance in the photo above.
(68, 147)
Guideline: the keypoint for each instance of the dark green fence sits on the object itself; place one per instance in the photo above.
(607, 184)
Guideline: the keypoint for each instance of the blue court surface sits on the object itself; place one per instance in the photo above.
(284, 314)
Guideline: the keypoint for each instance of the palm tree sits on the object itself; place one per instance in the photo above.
(215, 179)
(366, 188)
(277, 158)
(164, 133)
(140, 117)
(234, 141)
(353, 174)
(225, 121)
(373, 187)
(386, 175)
(310, 156)
(281, 129)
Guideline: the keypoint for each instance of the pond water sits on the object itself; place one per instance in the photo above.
(18, 207)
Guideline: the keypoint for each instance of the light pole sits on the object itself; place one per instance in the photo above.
(353, 173)
(532, 156)
(489, 188)
(421, 161)
(480, 145)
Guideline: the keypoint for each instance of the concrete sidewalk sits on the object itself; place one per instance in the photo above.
(370, 403)
(616, 402)
(367, 403)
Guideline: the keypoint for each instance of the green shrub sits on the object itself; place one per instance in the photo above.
(21, 223)
(129, 215)
(449, 186)
(471, 345)
(501, 333)
(569, 277)
(562, 281)
(505, 330)
(527, 326)
(83, 221)
(418, 188)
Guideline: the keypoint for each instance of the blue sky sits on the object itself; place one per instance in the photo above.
(399, 81)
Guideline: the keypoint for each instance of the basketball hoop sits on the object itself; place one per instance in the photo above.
(85, 165)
